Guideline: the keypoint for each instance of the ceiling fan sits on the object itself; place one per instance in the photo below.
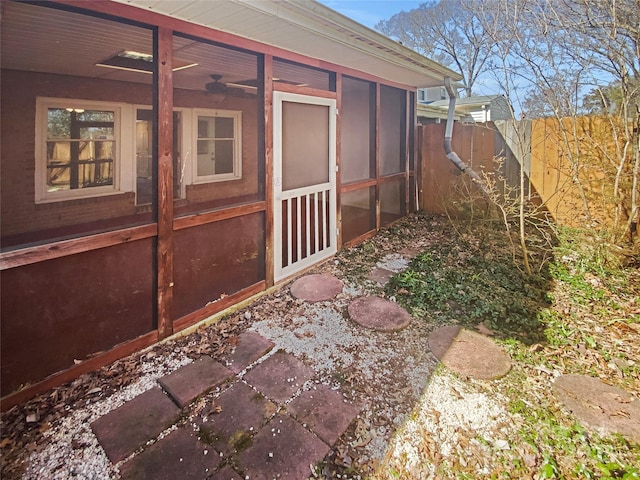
(221, 88)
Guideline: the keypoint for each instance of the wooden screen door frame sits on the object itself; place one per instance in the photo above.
(310, 212)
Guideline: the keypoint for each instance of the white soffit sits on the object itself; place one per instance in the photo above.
(308, 28)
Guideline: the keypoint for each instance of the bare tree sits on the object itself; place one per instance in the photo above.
(447, 31)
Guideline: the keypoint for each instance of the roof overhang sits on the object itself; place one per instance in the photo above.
(310, 29)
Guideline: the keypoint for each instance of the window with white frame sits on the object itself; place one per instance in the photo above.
(78, 148)
(86, 148)
(218, 146)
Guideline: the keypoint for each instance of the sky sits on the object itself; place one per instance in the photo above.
(370, 12)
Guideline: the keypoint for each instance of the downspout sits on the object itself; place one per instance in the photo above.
(448, 133)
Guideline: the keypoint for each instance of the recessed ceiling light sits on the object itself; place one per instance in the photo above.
(133, 61)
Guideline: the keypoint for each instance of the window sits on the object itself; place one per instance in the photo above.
(87, 149)
(218, 147)
(78, 145)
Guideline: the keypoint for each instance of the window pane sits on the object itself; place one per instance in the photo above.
(224, 127)
(224, 156)
(72, 153)
(392, 130)
(87, 159)
(206, 157)
(358, 130)
(300, 75)
(358, 213)
(228, 121)
(305, 145)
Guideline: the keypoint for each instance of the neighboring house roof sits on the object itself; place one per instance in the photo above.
(481, 107)
(311, 29)
(429, 111)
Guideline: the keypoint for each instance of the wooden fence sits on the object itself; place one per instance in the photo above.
(488, 149)
(570, 167)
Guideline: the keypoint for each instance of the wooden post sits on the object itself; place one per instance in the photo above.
(164, 208)
(407, 125)
(267, 76)
(377, 154)
(338, 160)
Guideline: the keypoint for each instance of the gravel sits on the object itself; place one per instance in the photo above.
(391, 375)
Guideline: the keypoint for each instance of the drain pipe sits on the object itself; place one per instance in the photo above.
(453, 156)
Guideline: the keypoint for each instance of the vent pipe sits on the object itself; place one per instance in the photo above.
(448, 133)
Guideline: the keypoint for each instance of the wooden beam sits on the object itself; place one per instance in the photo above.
(314, 92)
(350, 187)
(358, 240)
(74, 246)
(218, 306)
(217, 215)
(267, 75)
(391, 178)
(164, 112)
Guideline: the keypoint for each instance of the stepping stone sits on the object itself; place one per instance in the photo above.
(282, 449)
(227, 474)
(378, 314)
(242, 412)
(469, 353)
(603, 407)
(251, 346)
(178, 455)
(279, 376)
(410, 252)
(380, 275)
(194, 379)
(123, 430)
(324, 412)
(316, 288)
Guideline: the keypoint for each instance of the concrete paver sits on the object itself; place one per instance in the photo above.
(179, 455)
(316, 287)
(242, 412)
(469, 353)
(123, 430)
(194, 379)
(379, 314)
(279, 376)
(603, 407)
(251, 346)
(324, 412)
(283, 449)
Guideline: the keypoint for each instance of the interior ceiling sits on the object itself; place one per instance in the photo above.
(36, 38)
(41, 39)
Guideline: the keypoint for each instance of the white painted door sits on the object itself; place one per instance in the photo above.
(304, 154)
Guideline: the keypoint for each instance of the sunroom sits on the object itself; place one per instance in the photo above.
(162, 161)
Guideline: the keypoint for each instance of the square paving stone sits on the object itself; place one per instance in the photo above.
(179, 455)
(242, 412)
(227, 474)
(282, 449)
(324, 412)
(194, 379)
(251, 346)
(279, 376)
(123, 430)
